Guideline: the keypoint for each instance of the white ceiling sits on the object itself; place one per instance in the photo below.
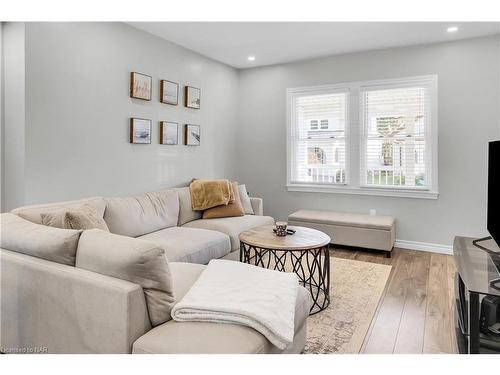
(281, 42)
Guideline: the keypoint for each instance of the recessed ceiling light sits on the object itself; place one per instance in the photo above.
(452, 29)
(251, 58)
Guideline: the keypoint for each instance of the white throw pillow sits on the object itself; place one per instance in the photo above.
(245, 200)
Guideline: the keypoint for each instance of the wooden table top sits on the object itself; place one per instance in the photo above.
(303, 239)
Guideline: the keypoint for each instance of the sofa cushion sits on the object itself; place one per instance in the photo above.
(186, 213)
(231, 209)
(214, 338)
(33, 213)
(245, 200)
(23, 236)
(343, 219)
(232, 226)
(132, 259)
(146, 213)
(83, 217)
(190, 245)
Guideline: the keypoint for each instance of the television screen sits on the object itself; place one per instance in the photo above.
(494, 190)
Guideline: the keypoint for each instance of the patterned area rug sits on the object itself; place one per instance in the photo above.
(355, 291)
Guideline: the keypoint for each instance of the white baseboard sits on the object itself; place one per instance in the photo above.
(425, 246)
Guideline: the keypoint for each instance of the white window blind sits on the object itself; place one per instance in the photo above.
(395, 137)
(318, 138)
(370, 137)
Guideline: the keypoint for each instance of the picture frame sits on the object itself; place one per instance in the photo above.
(140, 131)
(169, 92)
(169, 133)
(192, 135)
(192, 97)
(141, 86)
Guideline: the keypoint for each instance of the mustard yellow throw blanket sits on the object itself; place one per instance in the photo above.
(210, 193)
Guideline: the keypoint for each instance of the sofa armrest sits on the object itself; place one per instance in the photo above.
(64, 309)
(257, 206)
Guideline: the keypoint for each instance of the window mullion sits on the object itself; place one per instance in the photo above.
(354, 146)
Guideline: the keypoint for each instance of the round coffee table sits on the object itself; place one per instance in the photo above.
(306, 253)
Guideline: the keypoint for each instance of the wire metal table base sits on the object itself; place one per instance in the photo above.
(312, 266)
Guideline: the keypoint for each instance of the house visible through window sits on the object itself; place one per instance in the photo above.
(397, 142)
(319, 138)
(316, 155)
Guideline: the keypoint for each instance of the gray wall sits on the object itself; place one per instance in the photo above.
(468, 116)
(13, 115)
(78, 109)
(2, 132)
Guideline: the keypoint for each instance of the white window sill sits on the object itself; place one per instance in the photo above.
(343, 189)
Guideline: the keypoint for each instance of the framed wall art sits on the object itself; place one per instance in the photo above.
(140, 131)
(192, 135)
(169, 92)
(192, 97)
(140, 86)
(168, 132)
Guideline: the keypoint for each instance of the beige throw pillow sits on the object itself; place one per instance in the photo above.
(138, 261)
(53, 219)
(82, 218)
(32, 213)
(228, 210)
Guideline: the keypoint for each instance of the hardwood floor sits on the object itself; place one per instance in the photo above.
(415, 314)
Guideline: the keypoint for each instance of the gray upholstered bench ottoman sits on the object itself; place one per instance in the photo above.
(372, 232)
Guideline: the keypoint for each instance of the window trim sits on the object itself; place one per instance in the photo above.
(354, 138)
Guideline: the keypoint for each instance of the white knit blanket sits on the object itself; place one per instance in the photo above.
(239, 293)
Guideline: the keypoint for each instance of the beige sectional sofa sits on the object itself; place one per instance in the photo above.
(165, 217)
(49, 302)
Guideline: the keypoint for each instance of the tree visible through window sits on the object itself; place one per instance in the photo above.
(394, 143)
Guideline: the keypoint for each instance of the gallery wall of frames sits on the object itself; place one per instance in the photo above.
(141, 130)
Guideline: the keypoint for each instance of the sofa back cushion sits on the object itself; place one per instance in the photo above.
(23, 236)
(134, 260)
(186, 213)
(142, 214)
(33, 213)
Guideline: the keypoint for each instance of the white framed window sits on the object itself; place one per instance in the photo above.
(318, 136)
(371, 137)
